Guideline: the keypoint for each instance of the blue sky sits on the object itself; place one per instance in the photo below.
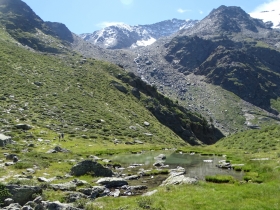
(82, 16)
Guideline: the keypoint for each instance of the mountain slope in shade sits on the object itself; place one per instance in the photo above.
(125, 36)
(21, 22)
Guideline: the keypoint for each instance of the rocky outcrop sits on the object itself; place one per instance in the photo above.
(61, 31)
(178, 180)
(23, 194)
(4, 140)
(90, 167)
(112, 182)
(23, 126)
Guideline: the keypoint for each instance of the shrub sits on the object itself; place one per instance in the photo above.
(4, 193)
(220, 179)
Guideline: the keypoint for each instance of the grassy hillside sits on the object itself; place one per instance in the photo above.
(254, 141)
(83, 98)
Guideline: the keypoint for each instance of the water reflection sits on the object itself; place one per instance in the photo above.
(195, 165)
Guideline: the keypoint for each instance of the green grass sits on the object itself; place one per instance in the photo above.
(201, 196)
(254, 141)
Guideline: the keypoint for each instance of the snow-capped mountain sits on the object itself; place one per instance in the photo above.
(271, 17)
(125, 36)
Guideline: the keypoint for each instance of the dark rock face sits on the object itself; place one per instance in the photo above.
(90, 167)
(61, 30)
(190, 127)
(23, 126)
(23, 194)
(250, 73)
(112, 182)
(119, 86)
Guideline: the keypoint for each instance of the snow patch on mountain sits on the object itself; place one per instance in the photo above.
(125, 36)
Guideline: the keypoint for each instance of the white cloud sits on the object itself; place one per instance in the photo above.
(180, 10)
(107, 24)
(126, 2)
(201, 12)
(268, 11)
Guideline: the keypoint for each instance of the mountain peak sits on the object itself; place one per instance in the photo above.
(226, 19)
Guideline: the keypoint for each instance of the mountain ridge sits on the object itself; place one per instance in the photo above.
(125, 36)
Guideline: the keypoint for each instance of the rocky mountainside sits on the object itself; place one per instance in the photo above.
(224, 67)
(71, 76)
(30, 30)
(125, 36)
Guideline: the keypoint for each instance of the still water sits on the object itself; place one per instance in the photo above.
(194, 164)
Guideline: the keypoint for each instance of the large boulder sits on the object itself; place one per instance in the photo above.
(160, 157)
(90, 167)
(4, 140)
(23, 194)
(23, 126)
(56, 205)
(178, 180)
(64, 187)
(13, 206)
(112, 182)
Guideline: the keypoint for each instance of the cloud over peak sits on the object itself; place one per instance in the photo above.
(268, 11)
(180, 10)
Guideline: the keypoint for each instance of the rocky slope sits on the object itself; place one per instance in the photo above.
(124, 36)
(30, 30)
(226, 52)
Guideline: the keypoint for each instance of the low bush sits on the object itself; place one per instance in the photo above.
(220, 179)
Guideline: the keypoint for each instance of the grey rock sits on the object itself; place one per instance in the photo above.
(119, 86)
(138, 187)
(97, 192)
(146, 123)
(15, 159)
(13, 206)
(23, 126)
(39, 84)
(78, 182)
(64, 187)
(116, 193)
(178, 180)
(30, 170)
(94, 189)
(43, 179)
(112, 182)
(158, 164)
(10, 156)
(138, 141)
(56, 205)
(150, 193)
(74, 196)
(9, 163)
(161, 157)
(90, 166)
(177, 171)
(23, 194)
(224, 164)
(4, 140)
(133, 177)
(8, 201)
(27, 207)
(38, 199)
(136, 92)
